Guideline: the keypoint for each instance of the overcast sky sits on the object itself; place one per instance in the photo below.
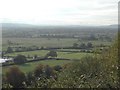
(60, 12)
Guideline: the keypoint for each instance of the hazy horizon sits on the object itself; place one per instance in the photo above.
(60, 12)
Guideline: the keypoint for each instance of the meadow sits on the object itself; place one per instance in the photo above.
(72, 56)
(27, 67)
(46, 42)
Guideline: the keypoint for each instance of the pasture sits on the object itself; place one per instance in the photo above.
(42, 53)
(47, 42)
(31, 65)
(27, 67)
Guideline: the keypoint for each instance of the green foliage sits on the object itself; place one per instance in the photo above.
(92, 72)
(15, 77)
(38, 70)
(9, 50)
(57, 68)
(20, 59)
(89, 45)
(51, 53)
(75, 45)
(82, 45)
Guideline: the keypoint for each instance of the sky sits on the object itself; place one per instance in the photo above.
(60, 12)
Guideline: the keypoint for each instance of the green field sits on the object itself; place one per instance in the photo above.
(42, 53)
(31, 66)
(53, 42)
(39, 42)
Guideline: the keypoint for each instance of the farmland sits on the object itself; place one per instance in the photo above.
(54, 47)
(48, 38)
(30, 66)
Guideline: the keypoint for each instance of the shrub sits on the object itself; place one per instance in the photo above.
(38, 70)
(57, 68)
(15, 77)
(20, 59)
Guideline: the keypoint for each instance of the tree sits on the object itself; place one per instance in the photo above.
(82, 46)
(9, 42)
(30, 79)
(35, 56)
(2, 54)
(57, 68)
(15, 77)
(48, 71)
(9, 50)
(20, 59)
(92, 71)
(42, 47)
(75, 45)
(52, 54)
(89, 45)
(38, 70)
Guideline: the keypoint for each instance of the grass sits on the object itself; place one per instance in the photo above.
(70, 55)
(41, 53)
(39, 42)
(30, 53)
(53, 42)
(31, 66)
(46, 43)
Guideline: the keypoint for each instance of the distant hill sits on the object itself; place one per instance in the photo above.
(113, 26)
(27, 30)
(12, 25)
(15, 27)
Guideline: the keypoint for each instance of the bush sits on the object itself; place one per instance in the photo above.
(57, 68)
(9, 50)
(20, 59)
(51, 54)
(15, 77)
(48, 71)
(90, 72)
(38, 70)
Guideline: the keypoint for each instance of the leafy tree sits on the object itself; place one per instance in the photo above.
(82, 46)
(89, 45)
(42, 47)
(15, 77)
(9, 50)
(48, 71)
(35, 56)
(38, 70)
(20, 59)
(30, 79)
(57, 68)
(9, 42)
(51, 54)
(2, 54)
(92, 72)
(75, 45)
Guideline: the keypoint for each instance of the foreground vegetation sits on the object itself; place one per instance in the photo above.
(60, 57)
(90, 72)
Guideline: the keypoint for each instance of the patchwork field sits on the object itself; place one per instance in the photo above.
(27, 67)
(30, 66)
(46, 42)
